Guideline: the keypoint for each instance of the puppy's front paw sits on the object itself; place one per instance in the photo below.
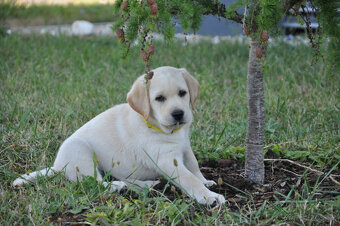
(211, 198)
(219, 198)
(209, 183)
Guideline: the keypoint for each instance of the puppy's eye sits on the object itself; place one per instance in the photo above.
(160, 98)
(182, 93)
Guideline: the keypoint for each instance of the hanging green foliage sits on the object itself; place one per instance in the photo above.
(328, 15)
(259, 18)
(270, 13)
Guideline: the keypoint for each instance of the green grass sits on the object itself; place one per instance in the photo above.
(33, 15)
(50, 86)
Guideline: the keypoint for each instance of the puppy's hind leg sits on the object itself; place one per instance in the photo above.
(31, 177)
(77, 157)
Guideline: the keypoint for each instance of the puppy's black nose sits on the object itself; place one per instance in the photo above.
(177, 114)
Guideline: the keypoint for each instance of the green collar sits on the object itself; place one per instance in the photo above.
(156, 128)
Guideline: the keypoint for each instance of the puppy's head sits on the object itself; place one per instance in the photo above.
(166, 101)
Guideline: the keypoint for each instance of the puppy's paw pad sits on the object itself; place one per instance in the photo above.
(115, 185)
(18, 182)
(118, 184)
(209, 183)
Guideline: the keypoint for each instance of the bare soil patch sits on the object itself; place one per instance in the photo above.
(281, 178)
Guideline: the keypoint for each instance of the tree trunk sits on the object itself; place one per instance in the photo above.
(254, 166)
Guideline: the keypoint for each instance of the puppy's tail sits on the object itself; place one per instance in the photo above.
(31, 177)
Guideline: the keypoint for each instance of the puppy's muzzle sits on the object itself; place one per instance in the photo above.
(177, 115)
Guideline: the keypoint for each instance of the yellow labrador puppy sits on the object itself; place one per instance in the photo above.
(141, 140)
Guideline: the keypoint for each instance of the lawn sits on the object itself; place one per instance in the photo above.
(35, 15)
(50, 86)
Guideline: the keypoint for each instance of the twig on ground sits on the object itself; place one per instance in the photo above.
(78, 223)
(298, 175)
(331, 176)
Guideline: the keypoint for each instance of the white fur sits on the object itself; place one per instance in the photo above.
(129, 150)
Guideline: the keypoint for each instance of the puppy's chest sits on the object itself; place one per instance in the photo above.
(150, 150)
(139, 159)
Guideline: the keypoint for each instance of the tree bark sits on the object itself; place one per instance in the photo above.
(254, 166)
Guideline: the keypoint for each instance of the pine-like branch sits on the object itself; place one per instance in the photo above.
(213, 8)
(288, 4)
(219, 9)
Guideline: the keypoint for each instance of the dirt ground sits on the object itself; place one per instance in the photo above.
(280, 177)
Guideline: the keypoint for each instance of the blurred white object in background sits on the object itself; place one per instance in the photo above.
(82, 27)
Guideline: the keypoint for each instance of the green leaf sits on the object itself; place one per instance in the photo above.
(78, 209)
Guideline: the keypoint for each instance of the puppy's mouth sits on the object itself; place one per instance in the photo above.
(175, 125)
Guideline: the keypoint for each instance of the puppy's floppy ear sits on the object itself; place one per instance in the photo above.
(138, 98)
(192, 84)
